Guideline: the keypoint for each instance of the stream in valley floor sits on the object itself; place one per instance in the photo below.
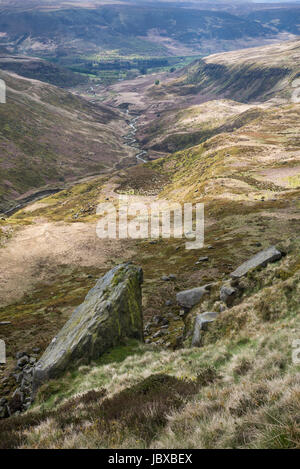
(130, 140)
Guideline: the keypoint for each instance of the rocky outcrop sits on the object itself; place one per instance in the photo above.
(189, 298)
(200, 324)
(228, 294)
(261, 259)
(111, 312)
(21, 398)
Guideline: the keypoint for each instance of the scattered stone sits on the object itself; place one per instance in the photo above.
(202, 259)
(5, 323)
(165, 278)
(200, 324)
(22, 361)
(189, 298)
(111, 311)
(168, 303)
(261, 259)
(36, 350)
(157, 319)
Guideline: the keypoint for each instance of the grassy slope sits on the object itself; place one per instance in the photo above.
(240, 390)
(45, 133)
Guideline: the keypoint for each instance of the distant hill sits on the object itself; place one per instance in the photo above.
(144, 30)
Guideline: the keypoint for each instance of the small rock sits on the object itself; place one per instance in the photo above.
(202, 259)
(22, 361)
(228, 295)
(165, 278)
(189, 298)
(200, 324)
(157, 319)
(168, 303)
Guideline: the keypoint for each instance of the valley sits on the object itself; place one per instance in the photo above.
(222, 130)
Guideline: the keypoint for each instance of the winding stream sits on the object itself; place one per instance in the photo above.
(130, 140)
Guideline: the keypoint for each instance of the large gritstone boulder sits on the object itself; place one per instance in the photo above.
(259, 260)
(111, 312)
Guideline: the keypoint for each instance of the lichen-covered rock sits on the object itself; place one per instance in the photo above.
(261, 259)
(111, 311)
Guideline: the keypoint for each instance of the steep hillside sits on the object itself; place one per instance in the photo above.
(49, 136)
(247, 75)
(32, 67)
(218, 94)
